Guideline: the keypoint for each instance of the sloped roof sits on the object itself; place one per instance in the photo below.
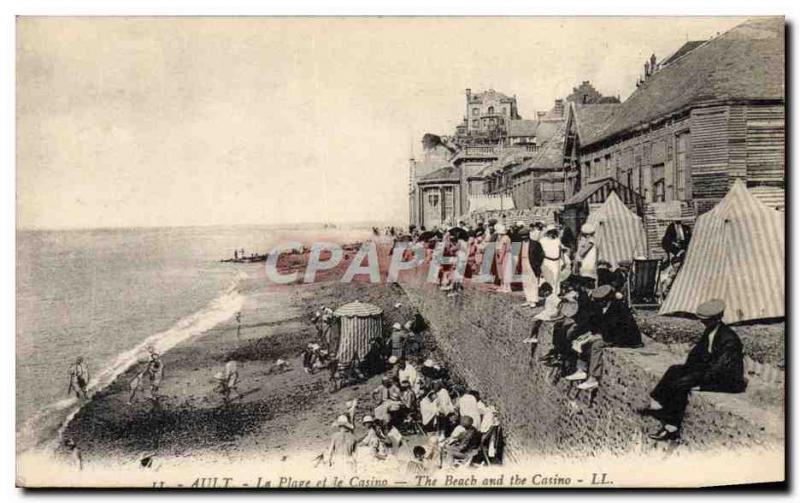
(587, 191)
(522, 127)
(358, 309)
(490, 93)
(592, 120)
(551, 153)
(445, 174)
(684, 49)
(746, 62)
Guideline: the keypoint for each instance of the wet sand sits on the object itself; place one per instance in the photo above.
(282, 412)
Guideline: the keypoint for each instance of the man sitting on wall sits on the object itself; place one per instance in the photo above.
(612, 325)
(716, 363)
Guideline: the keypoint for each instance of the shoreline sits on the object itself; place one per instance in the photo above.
(275, 325)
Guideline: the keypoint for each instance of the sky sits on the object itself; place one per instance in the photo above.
(136, 122)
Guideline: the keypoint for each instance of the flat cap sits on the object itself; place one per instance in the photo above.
(711, 309)
(602, 291)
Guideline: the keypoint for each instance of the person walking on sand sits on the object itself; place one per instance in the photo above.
(74, 453)
(228, 380)
(343, 443)
(78, 378)
(135, 385)
(155, 372)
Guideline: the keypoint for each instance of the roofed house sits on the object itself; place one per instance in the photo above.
(711, 113)
(540, 180)
(439, 197)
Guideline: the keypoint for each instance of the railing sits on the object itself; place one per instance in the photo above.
(480, 149)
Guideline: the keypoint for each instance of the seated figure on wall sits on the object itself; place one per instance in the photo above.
(716, 363)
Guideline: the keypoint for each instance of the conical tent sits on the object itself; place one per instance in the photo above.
(736, 254)
(619, 232)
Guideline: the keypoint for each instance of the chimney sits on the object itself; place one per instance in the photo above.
(558, 108)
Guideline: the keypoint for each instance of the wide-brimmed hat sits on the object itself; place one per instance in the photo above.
(550, 311)
(602, 292)
(520, 223)
(408, 325)
(549, 228)
(343, 421)
(587, 229)
(603, 264)
(428, 363)
(569, 308)
(397, 326)
(367, 419)
(392, 359)
(500, 229)
(710, 309)
(625, 263)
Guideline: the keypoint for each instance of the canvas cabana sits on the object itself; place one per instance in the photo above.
(619, 232)
(358, 323)
(736, 254)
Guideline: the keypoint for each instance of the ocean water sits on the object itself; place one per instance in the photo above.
(108, 294)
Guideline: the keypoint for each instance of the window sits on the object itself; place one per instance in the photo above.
(491, 110)
(504, 111)
(433, 199)
(607, 165)
(475, 123)
(636, 177)
(475, 111)
(681, 141)
(448, 209)
(659, 192)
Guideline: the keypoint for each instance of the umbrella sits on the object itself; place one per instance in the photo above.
(428, 235)
(459, 234)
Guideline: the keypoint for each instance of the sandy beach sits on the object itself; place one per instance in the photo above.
(283, 412)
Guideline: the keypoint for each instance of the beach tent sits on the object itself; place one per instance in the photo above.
(358, 324)
(619, 232)
(736, 254)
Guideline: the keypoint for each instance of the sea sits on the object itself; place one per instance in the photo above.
(108, 294)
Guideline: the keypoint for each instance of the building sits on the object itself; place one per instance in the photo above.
(707, 115)
(487, 116)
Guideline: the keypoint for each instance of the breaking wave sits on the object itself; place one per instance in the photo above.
(43, 430)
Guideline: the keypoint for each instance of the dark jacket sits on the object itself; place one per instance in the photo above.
(536, 257)
(670, 242)
(724, 365)
(618, 326)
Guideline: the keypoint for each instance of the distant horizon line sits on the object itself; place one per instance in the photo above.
(366, 223)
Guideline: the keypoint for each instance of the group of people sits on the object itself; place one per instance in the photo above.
(450, 425)
(588, 319)
(417, 399)
(537, 255)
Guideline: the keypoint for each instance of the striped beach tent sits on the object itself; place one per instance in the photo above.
(619, 231)
(358, 324)
(737, 255)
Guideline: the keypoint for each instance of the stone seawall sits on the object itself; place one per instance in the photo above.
(479, 333)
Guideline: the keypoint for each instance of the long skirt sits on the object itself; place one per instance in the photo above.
(551, 270)
(530, 283)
